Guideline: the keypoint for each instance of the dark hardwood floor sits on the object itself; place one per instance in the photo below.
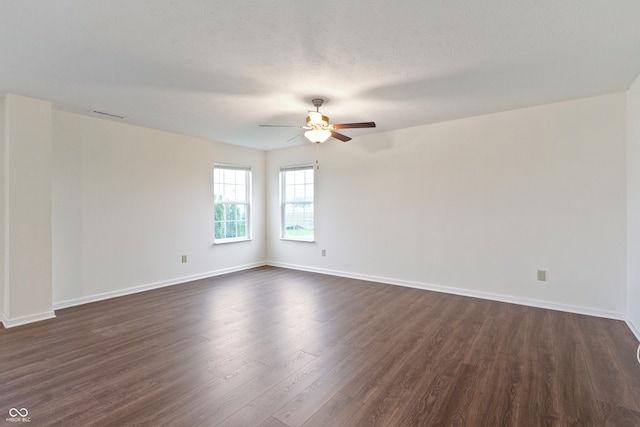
(276, 347)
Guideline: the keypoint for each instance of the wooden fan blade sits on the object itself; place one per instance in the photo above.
(341, 137)
(355, 125)
(281, 126)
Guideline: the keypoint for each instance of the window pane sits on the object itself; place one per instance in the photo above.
(219, 212)
(289, 192)
(219, 229)
(231, 202)
(228, 176)
(298, 220)
(241, 178)
(241, 212)
(297, 203)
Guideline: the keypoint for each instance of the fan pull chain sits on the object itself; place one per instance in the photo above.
(317, 152)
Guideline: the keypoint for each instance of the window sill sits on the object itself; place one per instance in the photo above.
(291, 239)
(224, 242)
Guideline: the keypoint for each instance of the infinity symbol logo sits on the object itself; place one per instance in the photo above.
(22, 412)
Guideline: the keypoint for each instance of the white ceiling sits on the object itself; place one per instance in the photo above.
(218, 69)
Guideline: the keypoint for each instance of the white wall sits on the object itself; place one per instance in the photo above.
(476, 206)
(633, 207)
(129, 201)
(473, 206)
(27, 210)
(3, 317)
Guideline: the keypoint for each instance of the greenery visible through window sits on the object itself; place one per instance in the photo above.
(231, 193)
(297, 202)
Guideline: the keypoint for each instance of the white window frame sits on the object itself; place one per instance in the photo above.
(284, 202)
(246, 202)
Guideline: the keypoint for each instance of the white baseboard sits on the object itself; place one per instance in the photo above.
(136, 289)
(23, 320)
(634, 328)
(460, 291)
(386, 280)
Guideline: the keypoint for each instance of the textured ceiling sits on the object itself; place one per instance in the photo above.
(218, 69)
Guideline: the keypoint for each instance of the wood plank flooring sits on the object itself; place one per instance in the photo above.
(276, 347)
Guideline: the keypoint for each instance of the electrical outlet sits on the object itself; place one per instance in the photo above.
(184, 259)
(542, 275)
(324, 252)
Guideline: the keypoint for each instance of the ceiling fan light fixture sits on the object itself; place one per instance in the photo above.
(317, 119)
(317, 135)
(319, 129)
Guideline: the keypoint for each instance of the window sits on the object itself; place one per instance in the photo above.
(296, 195)
(231, 200)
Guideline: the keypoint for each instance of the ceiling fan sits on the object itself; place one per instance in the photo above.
(319, 129)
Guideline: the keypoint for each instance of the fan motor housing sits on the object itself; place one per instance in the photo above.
(318, 120)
